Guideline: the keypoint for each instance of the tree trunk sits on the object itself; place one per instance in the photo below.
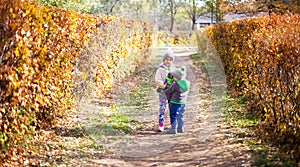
(172, 11)
(194, 16)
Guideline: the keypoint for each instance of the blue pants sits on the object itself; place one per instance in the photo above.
(177, 115)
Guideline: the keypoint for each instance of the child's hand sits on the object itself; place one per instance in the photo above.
(162, 86)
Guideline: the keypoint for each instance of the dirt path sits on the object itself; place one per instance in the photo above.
(206, 141)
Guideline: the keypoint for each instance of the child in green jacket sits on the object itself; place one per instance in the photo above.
(177, 95)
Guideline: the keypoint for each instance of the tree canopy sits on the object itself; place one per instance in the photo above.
(178, 14)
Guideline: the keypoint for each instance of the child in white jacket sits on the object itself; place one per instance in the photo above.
(162, 72)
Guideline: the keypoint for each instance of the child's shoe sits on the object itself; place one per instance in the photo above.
(171, 131)
(161, 127)
(180, 130)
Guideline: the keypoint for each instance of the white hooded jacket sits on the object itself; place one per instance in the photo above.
(161, 74)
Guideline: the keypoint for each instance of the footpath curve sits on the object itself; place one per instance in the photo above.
(204, 109)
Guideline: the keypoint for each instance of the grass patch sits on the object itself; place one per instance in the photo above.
(263, 153)
(197, 60)
(121, 123)
(139, 98)
(237, 115)
(130, 103)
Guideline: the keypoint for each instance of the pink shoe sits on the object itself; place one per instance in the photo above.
(160, 128)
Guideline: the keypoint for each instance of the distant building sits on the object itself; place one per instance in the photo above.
(234, 16)
(205, 20)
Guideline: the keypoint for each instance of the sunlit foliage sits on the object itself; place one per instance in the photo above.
(261, 59)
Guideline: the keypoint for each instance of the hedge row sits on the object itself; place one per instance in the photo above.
(262, 62)
(109, 56)
(42, 50)
(38, 47)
